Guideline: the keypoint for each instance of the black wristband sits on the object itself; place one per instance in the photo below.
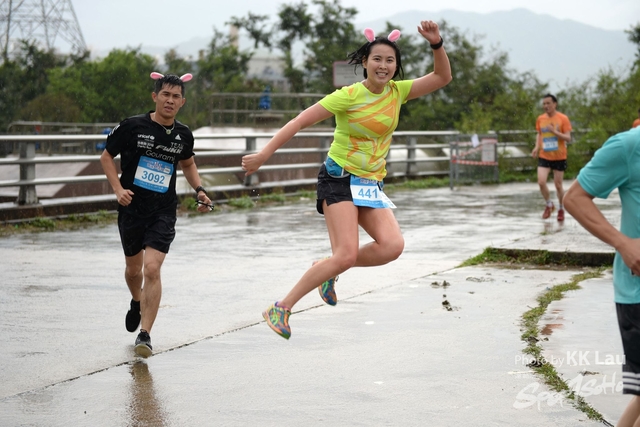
(437, 45)
(200, 188)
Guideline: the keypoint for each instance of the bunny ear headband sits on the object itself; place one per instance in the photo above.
(185, 78)
(371, 36)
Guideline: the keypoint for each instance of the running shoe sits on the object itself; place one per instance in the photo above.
(560, 215)
(327, 290)
(143, 344)
(132, 320)
(278, 319)
(548, 211)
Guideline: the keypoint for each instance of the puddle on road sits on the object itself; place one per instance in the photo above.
(144, 408)
(443, 285)
(549, 327)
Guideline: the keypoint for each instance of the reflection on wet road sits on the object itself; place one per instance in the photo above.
(63, 301)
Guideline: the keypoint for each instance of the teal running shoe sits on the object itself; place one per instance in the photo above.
(278, 319)
(327, 289)
(328, 292)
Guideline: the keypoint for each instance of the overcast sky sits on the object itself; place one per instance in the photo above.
(121, 23)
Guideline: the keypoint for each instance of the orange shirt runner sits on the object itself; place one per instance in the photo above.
(551, 147)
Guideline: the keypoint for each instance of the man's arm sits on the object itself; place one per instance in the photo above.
(190, 171)
(534, 152)
(580, 205)
(565, 136)
(123, 196)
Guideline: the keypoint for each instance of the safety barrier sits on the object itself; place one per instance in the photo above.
(413, 154)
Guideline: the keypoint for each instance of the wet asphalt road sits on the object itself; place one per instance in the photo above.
(388, 354)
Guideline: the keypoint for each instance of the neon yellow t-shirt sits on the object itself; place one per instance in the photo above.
(365, 122)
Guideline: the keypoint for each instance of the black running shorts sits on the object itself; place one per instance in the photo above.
(556, 165)
(629, 324)
(334, 185)
(136, 233)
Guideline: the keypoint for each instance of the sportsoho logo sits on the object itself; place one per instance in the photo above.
(535, 393)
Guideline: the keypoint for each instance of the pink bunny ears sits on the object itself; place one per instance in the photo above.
(371, 36)
(185, 78)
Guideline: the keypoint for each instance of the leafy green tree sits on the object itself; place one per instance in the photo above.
(178, 65)
(222, 67)
(333, 37)
(484, 94)
(328, 36)
(603, 106)
(51, 107)
(634, 37)
(110, 89)
(24, 77)
(11, 79)
(607, 103)
(295, 24)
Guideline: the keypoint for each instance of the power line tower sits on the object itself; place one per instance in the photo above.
(42, 20)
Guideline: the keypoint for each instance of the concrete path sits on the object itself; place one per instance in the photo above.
(417, 342)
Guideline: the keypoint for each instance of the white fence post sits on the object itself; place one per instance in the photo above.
(27, 194)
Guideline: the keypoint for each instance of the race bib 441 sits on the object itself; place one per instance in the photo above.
(367, 192)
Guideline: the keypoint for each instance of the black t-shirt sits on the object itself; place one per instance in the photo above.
(149, 158)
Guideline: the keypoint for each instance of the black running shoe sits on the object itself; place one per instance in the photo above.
(143, 344)
(132, 321)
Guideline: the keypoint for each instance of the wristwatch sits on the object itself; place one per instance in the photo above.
(200, 188)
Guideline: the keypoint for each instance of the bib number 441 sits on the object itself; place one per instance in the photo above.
(367, 192)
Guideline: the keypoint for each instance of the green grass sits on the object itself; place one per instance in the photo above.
(530, 320)
(530, 336)
(515, 256)
(277, 197)
(70, 222)
(243, 202)
(417, 184)
(538, 258)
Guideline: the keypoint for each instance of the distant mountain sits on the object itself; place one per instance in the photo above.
(560, 52)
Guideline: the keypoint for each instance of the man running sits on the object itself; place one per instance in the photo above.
(554, 133)
(150, 146)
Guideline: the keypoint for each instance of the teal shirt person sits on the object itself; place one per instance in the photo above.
(617, 165)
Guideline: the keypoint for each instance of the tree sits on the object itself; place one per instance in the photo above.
(178, 65)
(484, 94)
(110, 89)
(608, 102)
(333, 37)
(11, 80)
(25, 77)
(328, 35)
(634, 37)
(50, 107)
(295, 24)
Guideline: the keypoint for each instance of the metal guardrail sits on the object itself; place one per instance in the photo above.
(409, 165)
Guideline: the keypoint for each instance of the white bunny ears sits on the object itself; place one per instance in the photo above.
(185, 78)
(371, 36)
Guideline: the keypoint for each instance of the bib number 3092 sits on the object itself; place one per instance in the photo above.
(367, 192)
(153, 175)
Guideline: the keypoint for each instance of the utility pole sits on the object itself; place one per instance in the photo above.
(45, 21)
